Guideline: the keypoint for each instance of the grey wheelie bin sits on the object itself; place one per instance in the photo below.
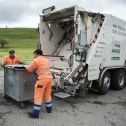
(18, 84)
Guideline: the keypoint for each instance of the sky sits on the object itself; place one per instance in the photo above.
(25, 13)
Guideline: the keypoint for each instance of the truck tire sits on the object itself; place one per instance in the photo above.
(105, 83)
(118, 79)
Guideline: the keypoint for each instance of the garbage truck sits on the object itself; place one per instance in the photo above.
(86, 50)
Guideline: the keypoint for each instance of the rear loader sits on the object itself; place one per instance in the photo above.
(86, 50)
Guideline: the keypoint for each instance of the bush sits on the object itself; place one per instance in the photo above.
(3, 42)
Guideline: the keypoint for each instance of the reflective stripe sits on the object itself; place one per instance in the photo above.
(36, 108)
(44, 74)
(48, 102)
(49, 105)
(37, 105)
(43, 69)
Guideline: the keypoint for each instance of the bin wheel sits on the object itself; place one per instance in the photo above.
(22, 105)
(6, 97)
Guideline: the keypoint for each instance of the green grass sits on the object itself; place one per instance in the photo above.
(22, 40)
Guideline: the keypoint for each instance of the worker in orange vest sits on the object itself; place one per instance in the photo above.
(11, 59)
(42, 91)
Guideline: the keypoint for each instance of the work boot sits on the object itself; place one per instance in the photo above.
(49, 107)
(35, 112)
(32, 116)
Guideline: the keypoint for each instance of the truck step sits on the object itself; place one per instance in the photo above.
(62, 95)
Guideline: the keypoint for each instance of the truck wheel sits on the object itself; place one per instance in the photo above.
(105, 83)
(118, 79)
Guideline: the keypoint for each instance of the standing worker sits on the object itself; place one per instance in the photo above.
(42, 91)
(11, 59)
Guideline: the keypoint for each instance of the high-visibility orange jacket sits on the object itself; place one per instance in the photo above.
(9, 61)
(40, 66)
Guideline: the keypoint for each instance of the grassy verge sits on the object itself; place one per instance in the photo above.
(22, 40)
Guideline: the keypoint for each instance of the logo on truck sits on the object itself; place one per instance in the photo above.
(116, 47)
(115, 51)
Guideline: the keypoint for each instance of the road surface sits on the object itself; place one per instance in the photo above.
(92, 110)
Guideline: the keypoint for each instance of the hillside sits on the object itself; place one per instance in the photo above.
(22, 40)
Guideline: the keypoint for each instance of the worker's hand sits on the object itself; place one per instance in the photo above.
(3, 65)
(20, 62)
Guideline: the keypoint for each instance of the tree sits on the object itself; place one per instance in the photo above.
(3, 42)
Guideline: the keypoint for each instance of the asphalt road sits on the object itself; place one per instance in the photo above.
(92, 110)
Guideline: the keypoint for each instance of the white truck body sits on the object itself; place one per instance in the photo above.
(73, 37)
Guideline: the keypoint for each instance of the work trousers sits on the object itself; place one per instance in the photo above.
(42, 91)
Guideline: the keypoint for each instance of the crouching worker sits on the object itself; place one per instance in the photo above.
(11, 59)
(42, 89)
